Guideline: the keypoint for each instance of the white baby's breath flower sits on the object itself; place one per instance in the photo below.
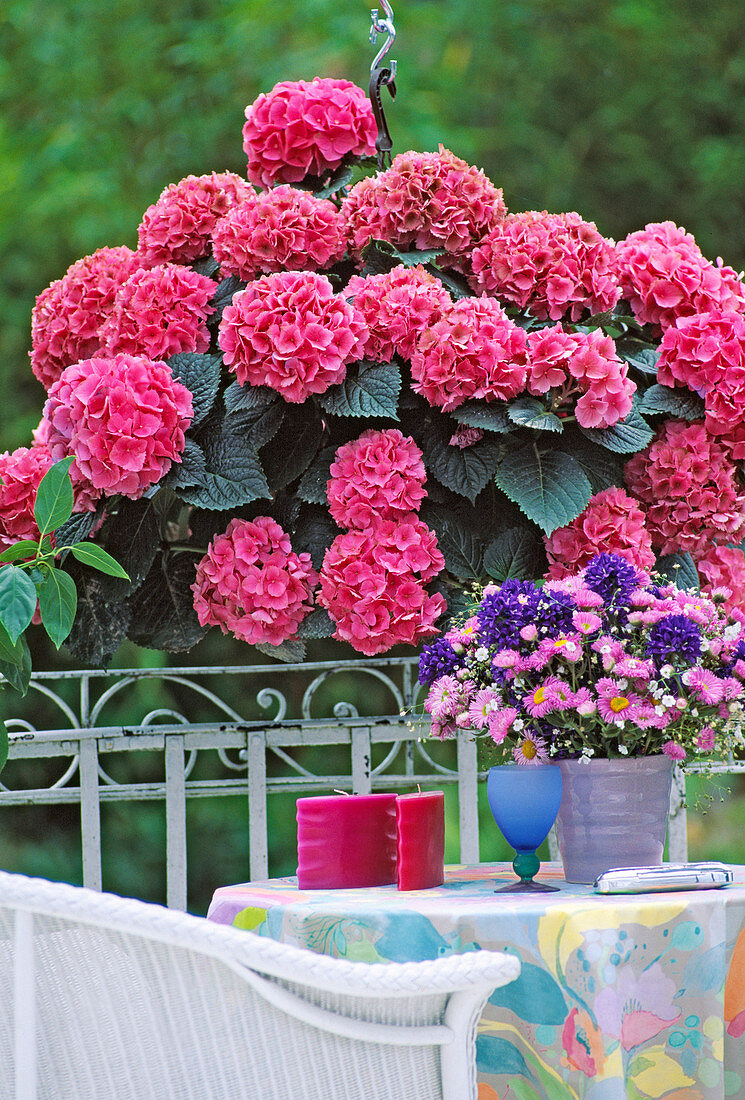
(481, 654)
(518, 725)
(623, 750)
(667, 670)
(668, 700)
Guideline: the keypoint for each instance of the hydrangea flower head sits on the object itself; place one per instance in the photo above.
(177, 227)
(423, 201)
(722, 569)
(306, 128)
(473, 351)
(280, 230)
(160, 312)
(21, 472)
(397, 306)
(122, 418)
(555, 265)
(289, 331)
(612, 522)
(68, 315)
(252, 584)
(381, 475)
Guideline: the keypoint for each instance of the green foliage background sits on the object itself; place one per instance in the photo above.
(628, 112)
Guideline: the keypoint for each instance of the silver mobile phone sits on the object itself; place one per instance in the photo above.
(669, 876)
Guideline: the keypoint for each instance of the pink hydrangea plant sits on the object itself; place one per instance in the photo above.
(282, 230)
(688, 488)
(67, 316)
(306, 127)
(612, 523)
(178, 227)
(123, 420)
(423, 201)
(21, 472)
(473, 351)
(373, 584)
(160, 312)
(396, 307)
(252, 584)
(722, 569)
(381, 475)
(555, 265)
(289, 331)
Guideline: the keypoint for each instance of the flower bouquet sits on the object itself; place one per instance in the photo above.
(606, 663)
(321, 401)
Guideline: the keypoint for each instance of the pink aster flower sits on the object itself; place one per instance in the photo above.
(178, 227)
(706, 740)
(282, 230)
(397, 306)
(252, 584)
(20, 474)
(159, 313)
(552, 694)
(688, 487)
(665, 276)
(586, 622)
(443, 698)
(381, 475)
(674, 751)
(704, 685)
(555, 265)
(616, 704)
(722, 568)
(423, 201)
(506, 658)
(612, 523)
(465, 635)
(289, 331)
(474, 351)
(67, 316)
(634, 668)
(122, 418)
(306, 128)
(530, 749)
(485, 702)
(568, 647)
(372, 584)
(500, 723)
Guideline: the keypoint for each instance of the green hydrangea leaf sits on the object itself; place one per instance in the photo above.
(58, 601)
(679, 569)
(233, 474)
(515, 552)
(312, 487)
(682, 403)
(17, 600)
(369, 389)
(529, 412)
(626, 437)
(201, 376)
(466, 470)
(549, 487)
(291, 652)
(461, 546)
(490, 418)
(162, 609)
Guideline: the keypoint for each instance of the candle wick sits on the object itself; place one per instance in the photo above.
(341, 792)
(419, 789)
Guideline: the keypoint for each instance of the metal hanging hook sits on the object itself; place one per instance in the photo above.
(380, 75)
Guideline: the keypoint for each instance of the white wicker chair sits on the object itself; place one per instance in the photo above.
(106, 998)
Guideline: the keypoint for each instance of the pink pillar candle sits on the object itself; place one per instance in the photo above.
(420, 823)
(346, 841)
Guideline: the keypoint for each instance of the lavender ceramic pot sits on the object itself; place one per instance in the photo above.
(613, 813)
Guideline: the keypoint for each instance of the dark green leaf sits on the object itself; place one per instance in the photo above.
(17, 672)
(54, 497)
(336, 182)
(529, 412)
(679, 569)
(100, 624)
(95, 557)
(318, 624)
(58, 601)
(462, 470)
(515, 552)
(550, 487)
(78, 527)
(23, 550)
(17, 600)
(223, 297)
(369, 389)
(239, 398)
(134, 537)
(291, 652)
(293, 448)
(207, 265)
(259, 425)
(378, 258)
(162, 608)
(625, 437)
(456, 284)
(492, 418)
(411, 259)
(643, 358)
(11, 653)
(603, 468)
(190, 470)
(201, 376)
(233, 475)
(312, 487)
(682, 403)
(461, 546)
(314, 534)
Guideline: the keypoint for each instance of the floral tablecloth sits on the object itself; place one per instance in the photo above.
(620, 998)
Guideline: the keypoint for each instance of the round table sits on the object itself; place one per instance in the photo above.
(626, 996)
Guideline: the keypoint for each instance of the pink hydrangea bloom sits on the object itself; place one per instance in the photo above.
(688, 488)
(722, 568)
(611, 523)
(555, 265)
(464, 437)
(423, 201)
(20, 473)
(372, 583)
(68, 315)
(303, 128)
(380, 475)
(475, 350)
(664, 276)
(122, 418)
(291, 332)
(159, 313)
(282, 230)
(702, 350)
(397, 306)
(178, 227)
(252, 584)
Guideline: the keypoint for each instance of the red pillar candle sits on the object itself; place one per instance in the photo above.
(346, 841)
(420, 823)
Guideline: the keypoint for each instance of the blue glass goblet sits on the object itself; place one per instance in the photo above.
(525, 801)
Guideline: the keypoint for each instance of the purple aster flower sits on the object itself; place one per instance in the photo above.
(554, 612)
(674, 636)
(503, 613)
(613, 578)
(436, 659)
